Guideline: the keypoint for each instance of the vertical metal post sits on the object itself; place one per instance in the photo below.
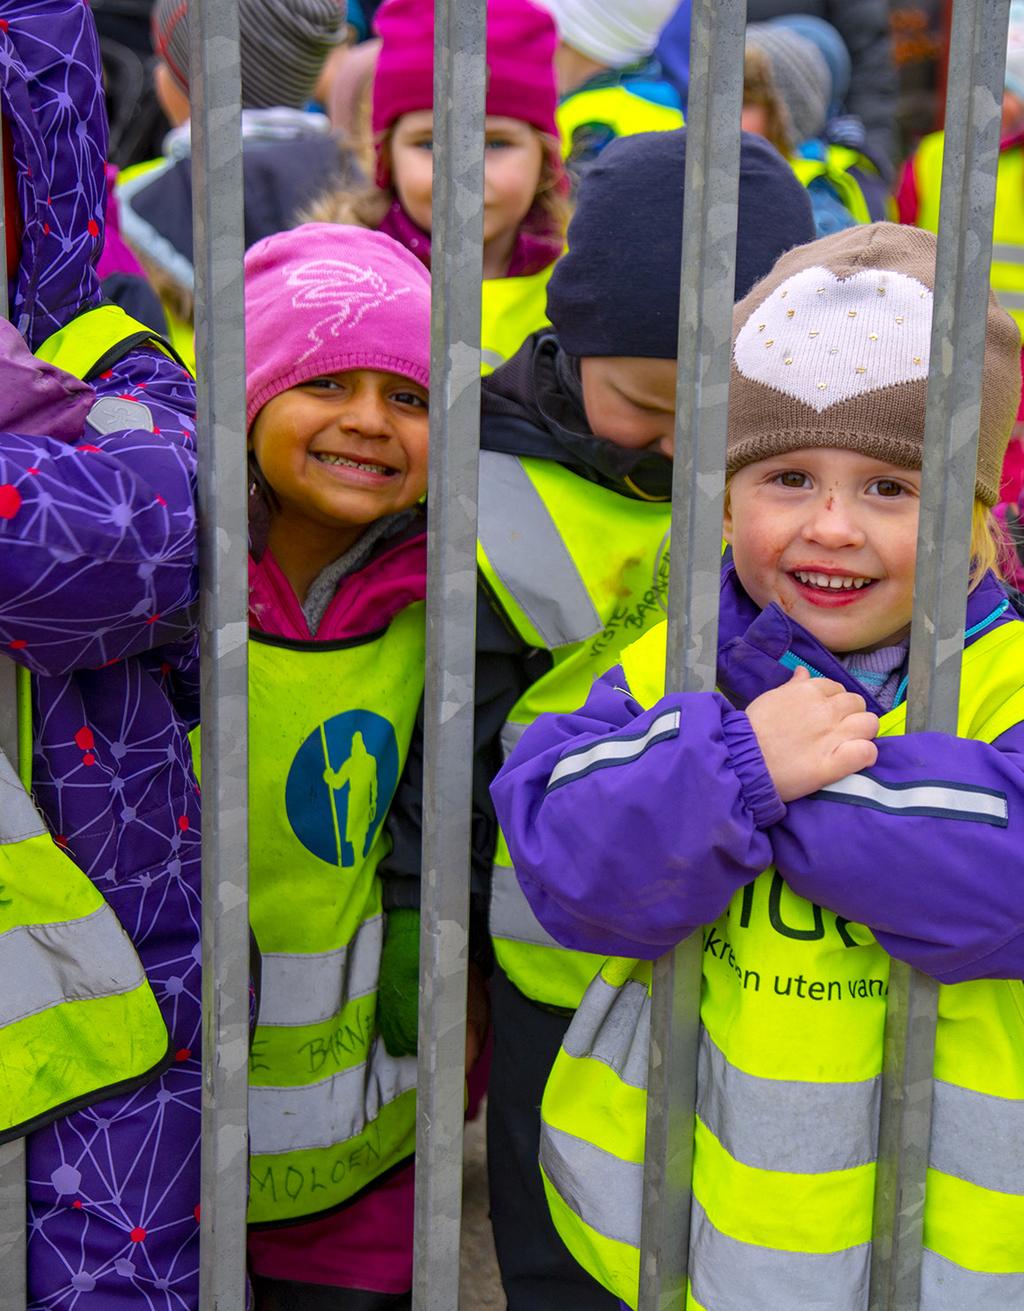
(973, 108)
(705, 335)
(457, 264)
(12, 1155)
(223, 541)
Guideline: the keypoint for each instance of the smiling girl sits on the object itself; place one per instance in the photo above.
(337, 344)
(793, 817)
(525, 187)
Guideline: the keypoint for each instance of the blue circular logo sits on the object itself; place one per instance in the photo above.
(341, 784)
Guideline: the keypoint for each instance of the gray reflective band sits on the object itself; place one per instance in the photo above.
(511, 917)
(753, 1118)
(494, 358)
(605, 1191)
(617, 749)
(526, 551)
(319, 1115)
(613, 1025)
(510, 737)
(949, 1287)
(19, 818)
(1010, 300)
(727, 1273)
(43, 965)
(307, 989)
(979, 1138)
(939, 799)
(1007, 253)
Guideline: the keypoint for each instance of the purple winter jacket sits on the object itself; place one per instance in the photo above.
(98, 575)
(630, 859)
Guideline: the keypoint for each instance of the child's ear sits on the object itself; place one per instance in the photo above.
(727, 520)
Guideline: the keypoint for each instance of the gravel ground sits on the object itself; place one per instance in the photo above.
(480, 1284)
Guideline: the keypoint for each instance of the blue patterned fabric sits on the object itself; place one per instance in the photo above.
(97, 539)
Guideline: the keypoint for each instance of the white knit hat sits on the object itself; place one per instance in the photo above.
(611, 32)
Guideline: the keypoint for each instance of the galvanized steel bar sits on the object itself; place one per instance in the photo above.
(973, 110)
(705, 334)
(12, 1155)
(456, 269)
(223, 538)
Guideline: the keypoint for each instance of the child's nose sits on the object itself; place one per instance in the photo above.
(365, 412)
(834, 522)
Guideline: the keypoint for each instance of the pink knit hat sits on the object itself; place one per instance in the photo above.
(325, 297)
(521, 40)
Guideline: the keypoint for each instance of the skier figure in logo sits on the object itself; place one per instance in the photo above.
(359, 775)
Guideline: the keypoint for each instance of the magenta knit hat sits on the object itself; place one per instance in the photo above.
(326, 297)
(521, 40)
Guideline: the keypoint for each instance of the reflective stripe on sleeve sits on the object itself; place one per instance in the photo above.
(941, 800)
(43, 965)
(322, 1114)
(615, 750)
(526, 551)
(299, 988)
(19, 818)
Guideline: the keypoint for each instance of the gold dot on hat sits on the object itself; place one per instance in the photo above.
(790, 313)
(761, 327)
(917, 359)
(872, 336)
(822, 386)
(769, 342)
(834, 350)
(881, 291)
(860, 369)
(820, 291)
(783, 295)
(814, 333)
(788, 360)
(899, 318)
(852, 313)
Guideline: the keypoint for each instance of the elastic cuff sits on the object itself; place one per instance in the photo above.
(759, 794)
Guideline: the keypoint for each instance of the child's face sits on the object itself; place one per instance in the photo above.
(631, 402)
(513, 160)
(344, 450)
(802, 521)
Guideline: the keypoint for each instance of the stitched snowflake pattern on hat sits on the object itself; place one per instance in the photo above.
(350, 291)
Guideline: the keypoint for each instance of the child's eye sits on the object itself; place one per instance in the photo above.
(887, 487)
(323, 384)
(499, 143)
(410, 398)
(792, 478)
(426, 144)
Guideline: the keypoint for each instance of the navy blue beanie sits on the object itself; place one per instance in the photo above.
(616, 290)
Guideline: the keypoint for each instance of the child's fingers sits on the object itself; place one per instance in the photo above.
(860, 724)
(851, 756)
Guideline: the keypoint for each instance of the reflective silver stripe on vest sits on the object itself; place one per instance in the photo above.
(510, 737)
(527, 553)
(319, 1115)
(301, 989)
(43, 965)
(949, 1287)
(19, 818)
(1010, 300)
(754, 1118)
(728, 1273)
(511, 916)
(1006, 252)
(979, 1138)
(617, 749)
(603, 1190)
(613, 1025)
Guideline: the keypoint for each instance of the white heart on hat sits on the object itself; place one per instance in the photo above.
(824, 340)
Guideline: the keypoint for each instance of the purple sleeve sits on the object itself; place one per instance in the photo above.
(925, 848)
(97, 534)
(630, 828)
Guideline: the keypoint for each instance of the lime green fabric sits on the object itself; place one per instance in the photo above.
(398, 997)
(784, 1152)
(511, 309)
(86, 342)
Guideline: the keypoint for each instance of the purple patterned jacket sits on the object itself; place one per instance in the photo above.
(97, 535)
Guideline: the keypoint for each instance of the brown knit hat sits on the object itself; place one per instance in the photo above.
(832, 349)
(283, 46)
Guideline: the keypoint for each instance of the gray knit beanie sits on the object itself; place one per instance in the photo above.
(283, 46)
(800, 74)
(832, 349)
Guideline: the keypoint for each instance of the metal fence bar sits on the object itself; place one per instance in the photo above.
(457, 265)
(224, 608)
(12, 1155)
(705, 334)
(973, 107)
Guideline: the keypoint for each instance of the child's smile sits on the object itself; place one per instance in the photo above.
(831, 536)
